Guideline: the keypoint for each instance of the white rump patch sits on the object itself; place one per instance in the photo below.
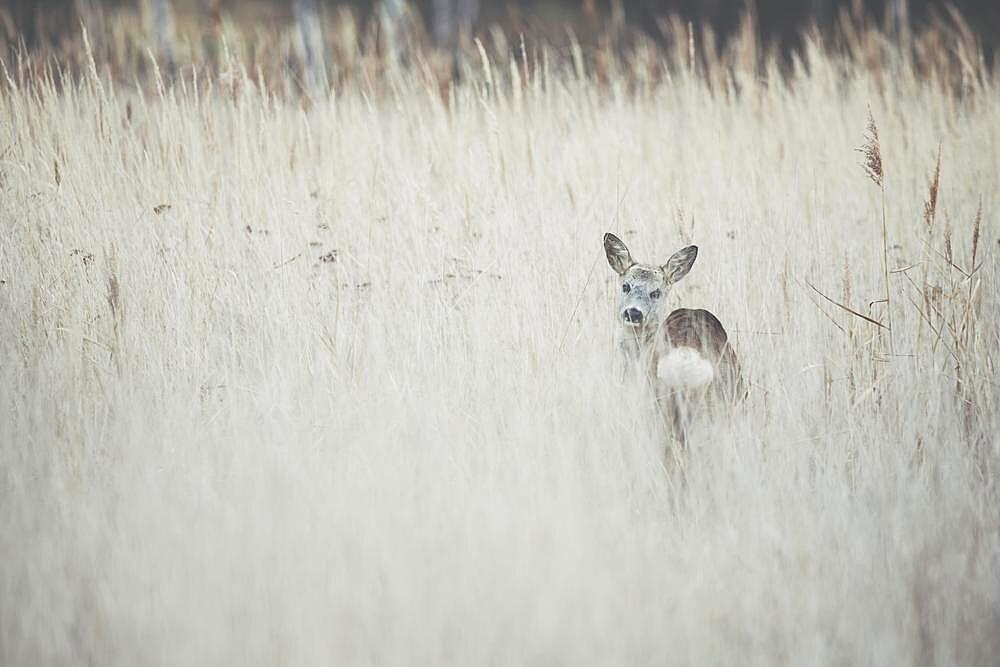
(684, 368)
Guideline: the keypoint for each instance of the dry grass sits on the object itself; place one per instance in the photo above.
(292, 381)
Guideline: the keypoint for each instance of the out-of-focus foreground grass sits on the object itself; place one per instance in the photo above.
(327, 376)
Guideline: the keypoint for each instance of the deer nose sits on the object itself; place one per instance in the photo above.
(633, 316)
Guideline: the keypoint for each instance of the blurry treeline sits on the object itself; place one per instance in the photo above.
(325, 42)
(779, 21)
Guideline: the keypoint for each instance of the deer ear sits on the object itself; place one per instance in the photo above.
(619, 257)
(679, 264)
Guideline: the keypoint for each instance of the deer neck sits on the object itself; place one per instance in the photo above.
(641, 349)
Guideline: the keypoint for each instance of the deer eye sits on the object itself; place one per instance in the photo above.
(655, 294)
(626, 288)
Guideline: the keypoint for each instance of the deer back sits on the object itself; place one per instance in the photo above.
(700, 330)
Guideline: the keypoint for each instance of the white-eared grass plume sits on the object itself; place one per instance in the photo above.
(418, 452)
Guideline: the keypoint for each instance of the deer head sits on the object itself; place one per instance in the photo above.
(644, 286)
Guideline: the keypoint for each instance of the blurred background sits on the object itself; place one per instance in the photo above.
(780, 22)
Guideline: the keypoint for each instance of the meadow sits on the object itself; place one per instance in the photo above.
(332, 378)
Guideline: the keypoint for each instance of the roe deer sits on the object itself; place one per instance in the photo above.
(686, 353)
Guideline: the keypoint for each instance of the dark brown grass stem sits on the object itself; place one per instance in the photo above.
(973, 284)
(846, 308)
(872, 152)
(930, 212)
(930, 206)
(885, 273)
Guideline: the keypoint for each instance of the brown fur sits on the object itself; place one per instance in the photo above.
(701, 330)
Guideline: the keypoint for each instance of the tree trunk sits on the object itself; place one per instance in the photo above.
(35, 22)
(311, 31)
(468, 15)
(444, 20)
(454, 21)
(24, 13)
(210, 15)
(163, 30)
(819, 12)
(899, 16)
(392, 16)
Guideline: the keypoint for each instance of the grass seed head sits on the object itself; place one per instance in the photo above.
(976, 229)
(872, 151)
(947, 241)
(930, 206)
